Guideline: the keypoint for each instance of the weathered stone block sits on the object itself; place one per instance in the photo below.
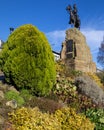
(76, 53)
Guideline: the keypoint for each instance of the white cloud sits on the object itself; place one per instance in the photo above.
(93, 37)
(56, 38)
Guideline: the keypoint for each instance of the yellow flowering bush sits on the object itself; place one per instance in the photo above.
(96, 79)
(71, 121)
(60, 67)
(63, 119)
(33, 119)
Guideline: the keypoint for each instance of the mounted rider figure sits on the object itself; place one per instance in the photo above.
(74, 18)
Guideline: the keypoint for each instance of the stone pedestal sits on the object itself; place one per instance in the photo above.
(76, 53)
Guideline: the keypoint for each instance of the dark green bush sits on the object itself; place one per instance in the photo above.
(25, 94)
(96, 116)
(11, 95)
(27, 60)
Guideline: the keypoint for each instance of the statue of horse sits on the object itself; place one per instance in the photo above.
(74, 18)
(78, 22)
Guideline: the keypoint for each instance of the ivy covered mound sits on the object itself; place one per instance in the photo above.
(27, 60)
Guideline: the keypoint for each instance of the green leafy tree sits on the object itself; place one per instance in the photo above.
(100, 57)
(27, 60)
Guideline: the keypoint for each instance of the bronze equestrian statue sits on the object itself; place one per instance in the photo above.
(74, 18)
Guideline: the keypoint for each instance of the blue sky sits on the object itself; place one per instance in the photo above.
(50, 17)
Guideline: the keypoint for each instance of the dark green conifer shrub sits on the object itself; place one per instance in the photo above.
(27, 60)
